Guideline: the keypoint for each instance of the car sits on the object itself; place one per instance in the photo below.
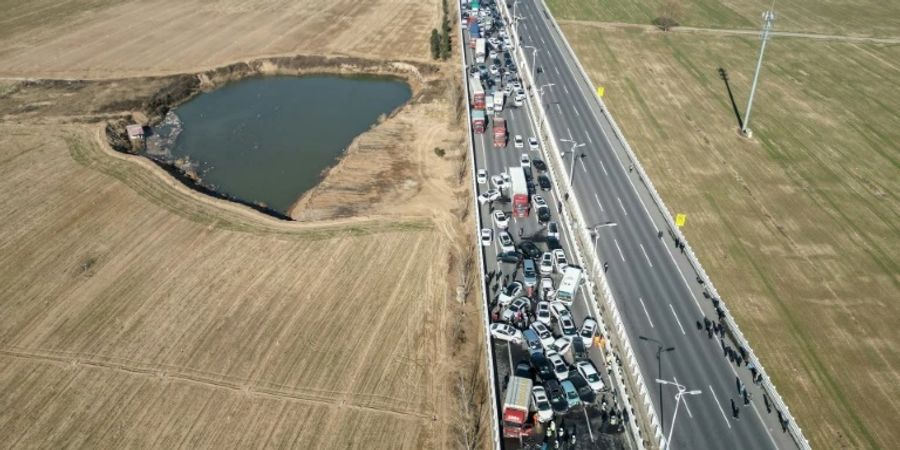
(579, 351)
(560, 369)
(501, 220)
(538, 201)
(544, 182)
(506, 332)
(518, 87)
(542, 313)
(539, 165)
(543, 214)
(533, 341)
(544, 333)
(548, 293)
(492, 54)
(530, 249)
(509, 292)
(553, 230)
(482, 176)
(571, 393)
(533, 144)
(587, 371)
(518, 307)
(518, 102)
(588, 331)
(542, 404)
(587, 395)
(559, 257)
(553, 243)
(487, 236)
(489, 196)
(519, 143)
(558, 309)
(557, 398)
(546, 265)
(562, 346)
(494, 70)
(523, 369)
(509, 257)
(542, 366)
(498, 182)
(529, 273)
(567, 327)
(525, 160)
(506, 242)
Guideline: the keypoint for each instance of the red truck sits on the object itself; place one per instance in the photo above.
(499, 132)
(519, 192)
(477, 94)
(478, 121)
(515, 408)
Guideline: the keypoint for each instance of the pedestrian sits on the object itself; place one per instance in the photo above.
(605, 266)
(630, 167)
(660, 234)
(573, 439)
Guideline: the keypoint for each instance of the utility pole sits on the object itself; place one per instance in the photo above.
(768, 20)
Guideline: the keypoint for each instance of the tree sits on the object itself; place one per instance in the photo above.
(671, 12)
(435, 44)
(445, 45)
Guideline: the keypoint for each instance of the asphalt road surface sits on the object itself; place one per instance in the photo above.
(661, 301)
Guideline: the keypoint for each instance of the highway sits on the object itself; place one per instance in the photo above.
(659, 297)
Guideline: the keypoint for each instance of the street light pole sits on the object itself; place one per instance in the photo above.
(572, 167)
(541, 94)
(596, 230)
(768, 18)
(681, 392)
(534, 51)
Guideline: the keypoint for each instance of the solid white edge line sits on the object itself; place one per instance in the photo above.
(645, 312)
(672, 308)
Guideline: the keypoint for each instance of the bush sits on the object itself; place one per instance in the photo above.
(440, 152)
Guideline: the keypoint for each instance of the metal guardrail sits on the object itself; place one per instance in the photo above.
(573, 213)
(793, 427)
(485, 316)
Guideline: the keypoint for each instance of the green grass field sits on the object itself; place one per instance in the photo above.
(798, 227)
(851, 17)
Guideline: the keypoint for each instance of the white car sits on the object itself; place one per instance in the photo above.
(509, 292)
(494, 69)
(548, 293)
(560, 259)
(533, 143)
(518, 102)
(544, 333)
(487, 236)
(589, 373)
(560, 369)
(497, 182)
(482, 176)
(519, 143)
(506, 242)
(501, 220)
(506, 333)
(553, 230)
(489, 196)
(538, 201)
(546, 266)
(542, 313)
(542, 404)
(562, 345)
(559, 310)
(525, 160)
(492, 54)
(588, 331)
(567, 327)
(518, 306)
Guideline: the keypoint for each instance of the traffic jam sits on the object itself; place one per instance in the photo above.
(553, 381)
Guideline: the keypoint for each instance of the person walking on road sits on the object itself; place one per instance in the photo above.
(605, 266)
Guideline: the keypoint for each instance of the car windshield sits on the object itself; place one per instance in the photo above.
(593, 377)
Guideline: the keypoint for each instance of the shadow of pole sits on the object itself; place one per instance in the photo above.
(737, 114)
(660, 350)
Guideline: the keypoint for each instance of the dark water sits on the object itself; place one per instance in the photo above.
(269, 139)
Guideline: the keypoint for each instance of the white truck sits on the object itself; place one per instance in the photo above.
(479, 50)
(568, 287)
(498, 101)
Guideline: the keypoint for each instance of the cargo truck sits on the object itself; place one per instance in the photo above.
(516, 408)
(480, 44)
(500, 132)
(478, 121)
(518, 192)
(498, 101)
(568, 287)
(474, 34)
(477, 94)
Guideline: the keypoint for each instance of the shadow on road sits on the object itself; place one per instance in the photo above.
(737, 114)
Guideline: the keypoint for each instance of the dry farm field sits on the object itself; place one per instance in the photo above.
(140, 313)
(798, 227)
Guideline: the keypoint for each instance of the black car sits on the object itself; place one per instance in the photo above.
(509, 257)
(557, 398)
(539, 165)
(579, 351)
(523, 369)
(553, 244)
(543, 214)
(530, 250)
(542, 366)
(544, 181)
(585, 393)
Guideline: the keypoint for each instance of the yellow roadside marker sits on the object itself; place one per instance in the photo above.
(680, 219)
(600, 91)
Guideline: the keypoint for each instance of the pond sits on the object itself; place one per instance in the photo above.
(268, 140)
